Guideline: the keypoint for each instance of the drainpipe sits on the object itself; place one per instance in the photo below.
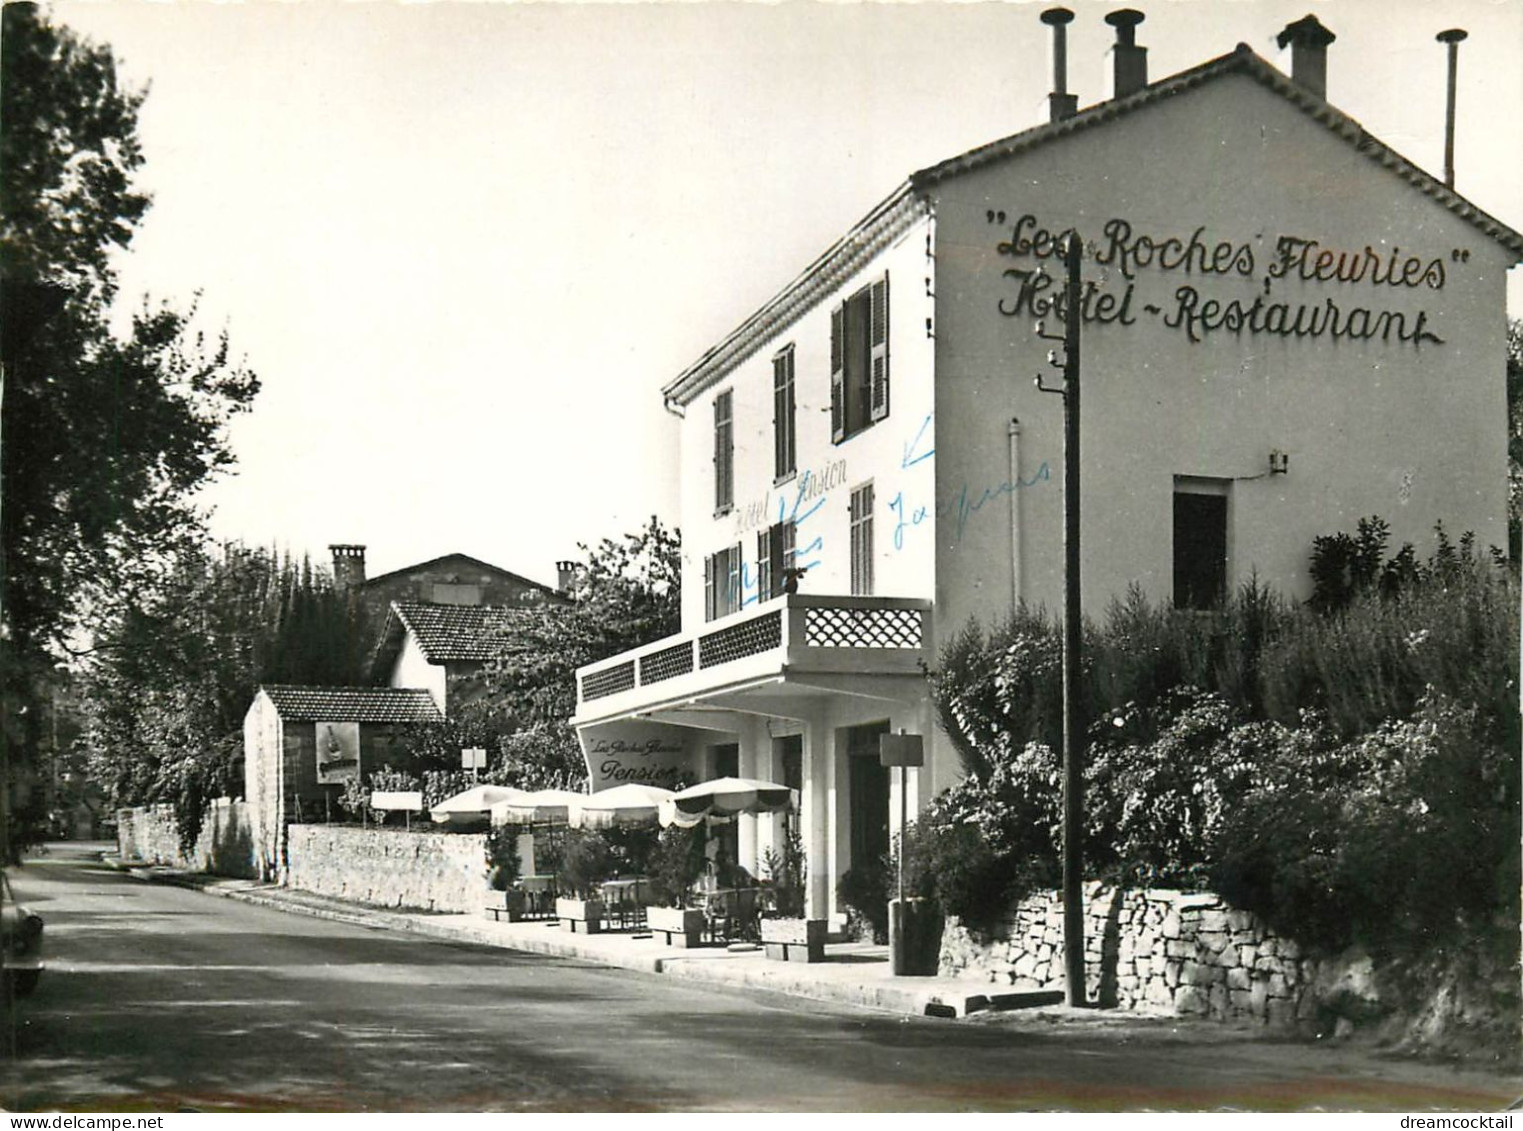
(1014, 431)
(1452, 38)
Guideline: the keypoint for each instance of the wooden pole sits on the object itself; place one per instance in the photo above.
(1073, 720)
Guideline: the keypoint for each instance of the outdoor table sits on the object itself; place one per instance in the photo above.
(625, 899)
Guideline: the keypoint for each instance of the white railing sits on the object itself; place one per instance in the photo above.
(785, 626)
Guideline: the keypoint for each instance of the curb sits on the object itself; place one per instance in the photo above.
(783, 978)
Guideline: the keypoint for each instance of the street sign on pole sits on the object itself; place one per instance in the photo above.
(473, 758)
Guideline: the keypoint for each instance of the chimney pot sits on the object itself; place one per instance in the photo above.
(348, 565)
(1062, 104)
(1308, 41)
(1451, 39)
(1130, 62)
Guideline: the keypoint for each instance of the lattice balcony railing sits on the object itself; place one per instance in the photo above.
(803, 622)
(609, 681)
(667, 663)
(862, 628)
(748, 638)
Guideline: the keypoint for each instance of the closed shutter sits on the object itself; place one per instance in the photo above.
(724, 453)
(709, 612)
(764, 574)
(838, 374)
(878, 319)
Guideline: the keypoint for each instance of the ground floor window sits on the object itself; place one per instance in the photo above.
(1200, 542)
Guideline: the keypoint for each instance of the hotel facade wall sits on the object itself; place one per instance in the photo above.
(1409, 430)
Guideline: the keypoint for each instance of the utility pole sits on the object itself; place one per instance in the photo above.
(1073, 627)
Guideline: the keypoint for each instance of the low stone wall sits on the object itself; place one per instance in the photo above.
(147, 834)
(1165, 951)
(431, 871)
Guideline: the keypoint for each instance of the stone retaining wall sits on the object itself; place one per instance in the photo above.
(147, 834)
(431, 871)
(1158, 950)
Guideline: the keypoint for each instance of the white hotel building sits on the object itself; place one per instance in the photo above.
(1286, 326)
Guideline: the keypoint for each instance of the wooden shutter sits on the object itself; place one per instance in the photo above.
(709, 612)
(775, 559)
(764, 581)
(878, 336)
(732, 579)
(724, 452)
(838, 374)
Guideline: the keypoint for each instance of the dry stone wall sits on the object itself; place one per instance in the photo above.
(147, 835)
(1162, 951)
(431, 871)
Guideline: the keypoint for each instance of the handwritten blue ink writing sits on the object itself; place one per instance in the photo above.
(967, 508)
(911, 457)
(917, 516)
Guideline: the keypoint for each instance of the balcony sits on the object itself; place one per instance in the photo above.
(792, 636)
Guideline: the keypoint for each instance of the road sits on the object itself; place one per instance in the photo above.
(162, 999)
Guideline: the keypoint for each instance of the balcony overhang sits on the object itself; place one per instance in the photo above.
(768, 661)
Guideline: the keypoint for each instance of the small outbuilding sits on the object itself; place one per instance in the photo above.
(302, 745)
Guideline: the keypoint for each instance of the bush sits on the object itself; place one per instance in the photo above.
(675, 864)
(864, 891)
(1397, 840)
(786, 873)
(586, 861)
(502, 859)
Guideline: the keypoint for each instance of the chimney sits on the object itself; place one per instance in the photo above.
(1308, 41)
(348, 566)
(1129, 60)
(1063, 105)
(565, 577)
(1453, 37)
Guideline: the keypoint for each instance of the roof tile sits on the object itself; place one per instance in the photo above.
(352, 704)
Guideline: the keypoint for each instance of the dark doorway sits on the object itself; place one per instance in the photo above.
(1200, 550)
(869, 794)
(788, 757)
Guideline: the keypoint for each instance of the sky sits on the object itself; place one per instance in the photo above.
(464, 245)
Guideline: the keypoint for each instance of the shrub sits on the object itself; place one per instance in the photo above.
(1398, 839)
(786, 873)
(864, 890)
(675, 864)
(502, 859)
(586, 861)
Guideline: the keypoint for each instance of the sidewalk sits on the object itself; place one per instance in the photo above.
(852, 973)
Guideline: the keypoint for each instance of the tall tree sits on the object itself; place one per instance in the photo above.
(172, 675)
(104, 438)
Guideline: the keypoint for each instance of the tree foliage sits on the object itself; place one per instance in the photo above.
(173, 674)
(626, 594)
(106, 437)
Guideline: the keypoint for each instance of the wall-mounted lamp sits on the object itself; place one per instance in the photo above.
(1279, 462)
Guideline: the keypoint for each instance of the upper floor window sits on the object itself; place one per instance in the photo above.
(774, 559)
(724, 452)
(721, 583)
(859, 361)
(784, 438)
(862, 541)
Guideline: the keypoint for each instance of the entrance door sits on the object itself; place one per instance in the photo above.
(869, 794)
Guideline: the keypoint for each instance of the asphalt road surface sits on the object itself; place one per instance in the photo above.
(162, 999)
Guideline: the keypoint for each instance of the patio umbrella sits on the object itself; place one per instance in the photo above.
(474, 804)
(542, 807)
(628, 804)
(724, 797)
